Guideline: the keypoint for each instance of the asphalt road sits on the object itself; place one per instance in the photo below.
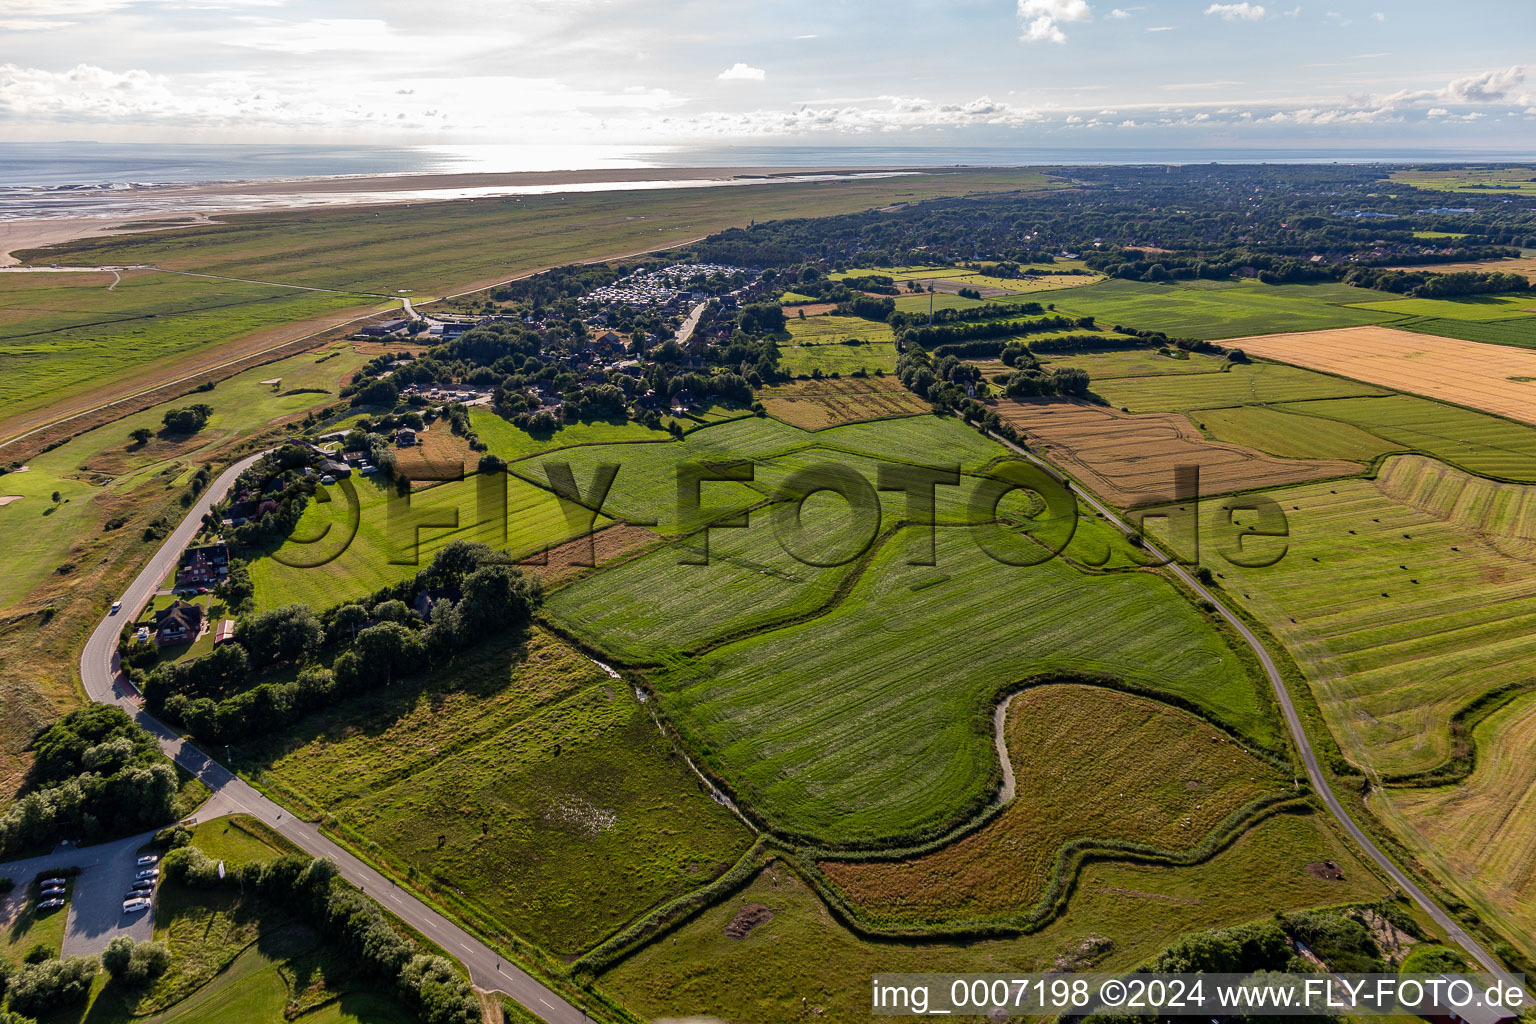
(1453, 930)
(105, 683)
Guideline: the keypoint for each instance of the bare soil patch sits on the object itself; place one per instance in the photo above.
(1130, 459)
(1467, 373)
(746, 919)
(1326, 870)
(568, 561)
(810, 309)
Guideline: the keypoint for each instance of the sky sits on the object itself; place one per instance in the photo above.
(1082, 73)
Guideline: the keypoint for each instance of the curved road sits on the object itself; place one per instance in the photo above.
(105, 683)
(1453, 930)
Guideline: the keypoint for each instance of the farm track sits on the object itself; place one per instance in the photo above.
(1453, 930)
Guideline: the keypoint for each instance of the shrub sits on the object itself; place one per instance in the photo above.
(42, 988)
(135, 963)
(189, 420)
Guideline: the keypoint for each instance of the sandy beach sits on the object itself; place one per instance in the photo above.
(87, 214)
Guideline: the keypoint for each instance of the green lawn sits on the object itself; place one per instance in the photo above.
(837, 344)
(1475, 441)
(1243, 384)
(873, 721)
(1224, 309)
(96, 470)
(1471, 307)
(522, 777)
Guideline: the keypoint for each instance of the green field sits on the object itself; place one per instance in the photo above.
(1519, 330)
(511, 442)
(802, 953)
(388, 547)
(836, 344)
(856, 727)
(908, 302)
(1138, 362)
(1488, 181)
(1242, 384)
(95, 472)
(1213, 310)
(1472, 307)
(1290, 433)
(646, 486)
(63, 333)
(523, 778)
(1475, 441)
(1186, 776)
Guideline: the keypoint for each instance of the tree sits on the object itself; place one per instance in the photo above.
(237, 590)
(498, 595)
(289, 633)
(141, 435)
(189, 420)
(379, 392)
(135, 963)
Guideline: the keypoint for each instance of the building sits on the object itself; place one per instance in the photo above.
(384, 329)
(405, 437)
(334, 469)
(178, 624)
(427, 600)
(224, 633)
(204, 566)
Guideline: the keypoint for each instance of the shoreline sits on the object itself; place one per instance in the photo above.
(157, 208)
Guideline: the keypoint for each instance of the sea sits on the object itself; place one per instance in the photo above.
(89, 179)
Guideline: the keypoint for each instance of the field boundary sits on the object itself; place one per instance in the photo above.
(1462, 761)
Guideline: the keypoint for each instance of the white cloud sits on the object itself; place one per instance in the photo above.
(808, 35)
(1121, 13)
(1160, 28)
(740, 72)
(1042, 18)
(1237, 12)
(1380, 16)
(1437, 112)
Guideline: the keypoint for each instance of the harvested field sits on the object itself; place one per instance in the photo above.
(1135, 362)
(1481, 830)
(1160, 776)
(1129, 460)
(816, 404)
(1402, 599)
(1461, 372)
(1521, 265)
(809, 309)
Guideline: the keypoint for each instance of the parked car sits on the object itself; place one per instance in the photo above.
(52, 890)
(51, 883)
(148, 873)
(52, 904)
(133, 906)
(144, 885)
(148, 859)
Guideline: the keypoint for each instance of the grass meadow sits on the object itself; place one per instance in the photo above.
(393, 539)
(802, 961)
(1213, 310)
(1242, 384)
(872, 721)
(836, 344)
(98, 471)
(1475, 441)
(1516, 330)
(63, 333)
(1290, 433)
(1470, 307)
(523, 778)
(1160, 776)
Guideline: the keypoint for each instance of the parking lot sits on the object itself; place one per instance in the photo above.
(95, 910)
